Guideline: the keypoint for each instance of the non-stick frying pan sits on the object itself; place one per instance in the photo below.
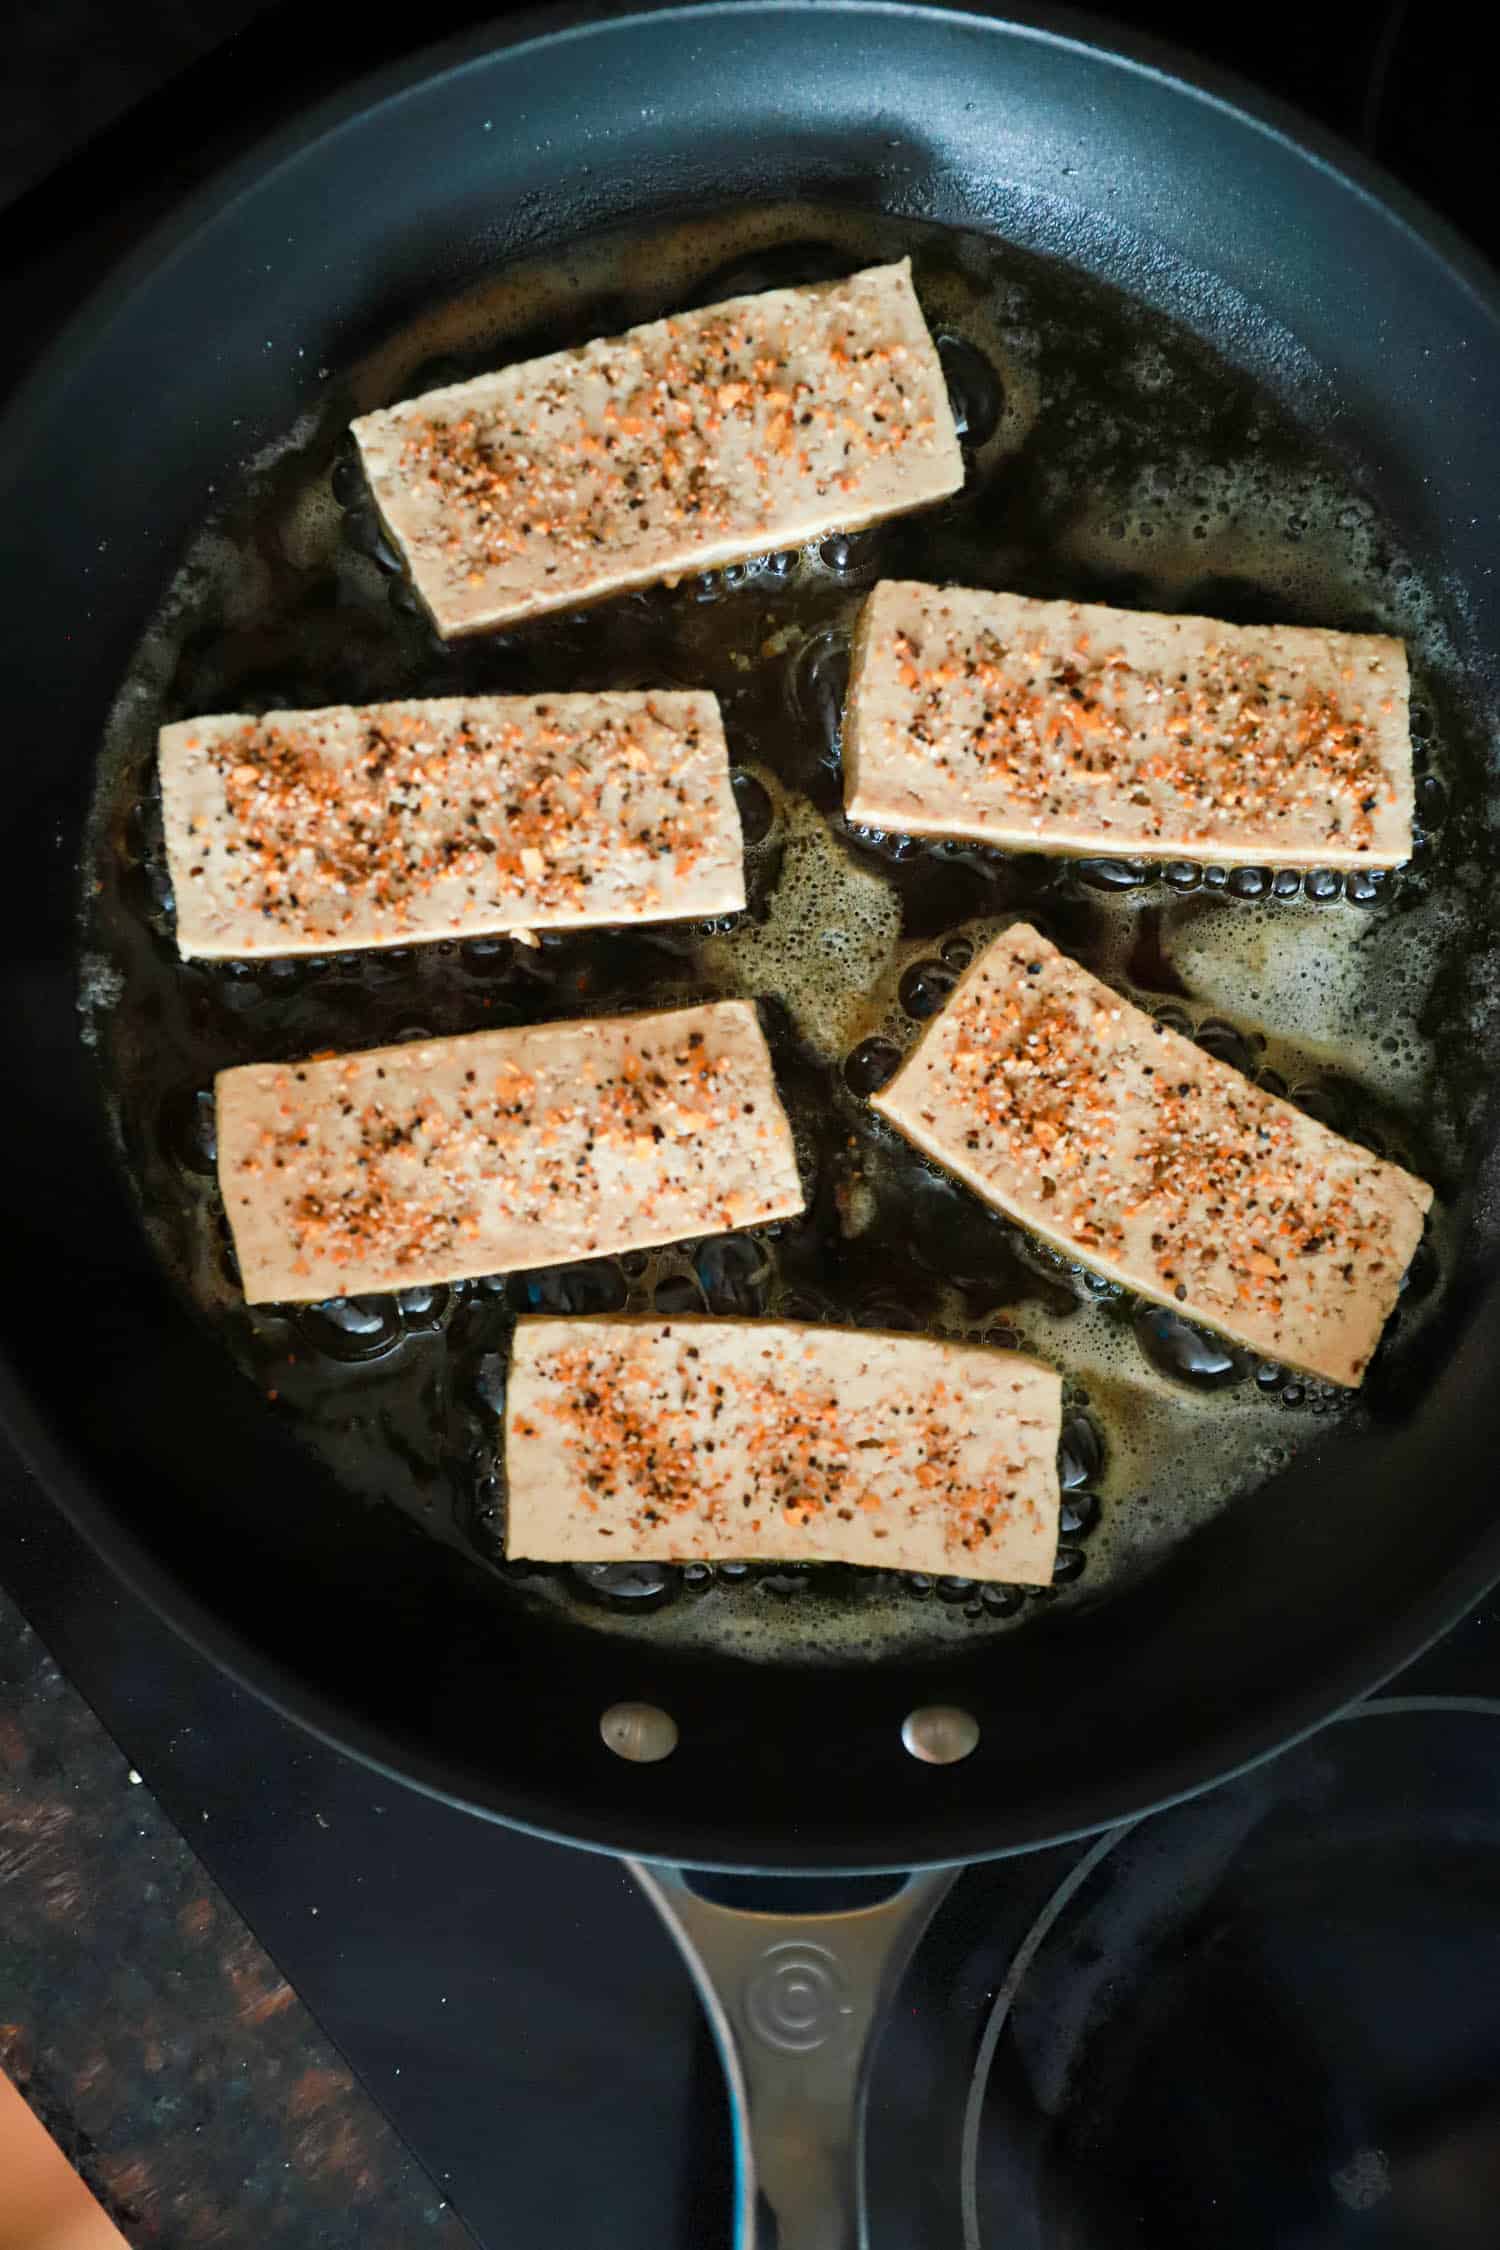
(1357, 309)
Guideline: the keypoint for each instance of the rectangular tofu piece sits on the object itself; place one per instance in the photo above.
(683, 445)
(1128, 1148)
(715, 1440)
(505, 1149)
(1066, 727)
(393, 823)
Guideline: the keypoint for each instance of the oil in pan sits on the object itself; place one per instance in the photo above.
(1112, 457)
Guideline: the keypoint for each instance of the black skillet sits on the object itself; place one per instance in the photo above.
(1213, 210)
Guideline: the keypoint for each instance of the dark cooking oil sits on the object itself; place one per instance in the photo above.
(1111, 458)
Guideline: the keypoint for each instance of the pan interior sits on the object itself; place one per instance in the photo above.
(1112, 456)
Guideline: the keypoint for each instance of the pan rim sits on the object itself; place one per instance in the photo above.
(547, 21)
(651, 1832)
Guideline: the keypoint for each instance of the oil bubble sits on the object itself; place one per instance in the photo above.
(351, 1328)
(367, 536)
(753, 803)
(849, 551)
(925, 987)
(1188, 1354)
(423, 1307)
(1078, 1514)
(734, 1275)
(817, 683)
(678, 1295)
(1227, 1044)
(596, 1286)
(641, 1584)
(1080, 1453)
(347, 483)
(1366, 886)
(189, 1129)
(1113, 874)
(975, 393)
(1249, 882)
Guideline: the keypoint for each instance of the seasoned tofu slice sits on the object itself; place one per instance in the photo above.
(1066, 727)
(684, 445)
(683, 1440)
(506, 1149)
(1130, 1149)
(389, 823)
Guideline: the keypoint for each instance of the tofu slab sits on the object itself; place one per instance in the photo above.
(705, 1440)
(506, 1149)
(390, 823)
(1067, 727)
(683, 445)
(1131, 1150)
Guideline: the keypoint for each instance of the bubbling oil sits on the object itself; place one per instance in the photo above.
(1111, 456)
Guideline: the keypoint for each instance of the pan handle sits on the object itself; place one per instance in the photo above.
(793, 2000)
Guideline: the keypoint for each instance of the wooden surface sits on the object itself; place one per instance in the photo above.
(44, 2205)
(170, 2062)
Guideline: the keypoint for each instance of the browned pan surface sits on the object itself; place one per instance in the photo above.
(1112, 456)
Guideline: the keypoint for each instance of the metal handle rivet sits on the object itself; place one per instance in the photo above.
(641, 1732)
(940, 1733)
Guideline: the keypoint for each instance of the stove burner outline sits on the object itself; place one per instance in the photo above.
(1356, 2192)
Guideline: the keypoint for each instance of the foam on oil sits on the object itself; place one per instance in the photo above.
(1112, 457)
